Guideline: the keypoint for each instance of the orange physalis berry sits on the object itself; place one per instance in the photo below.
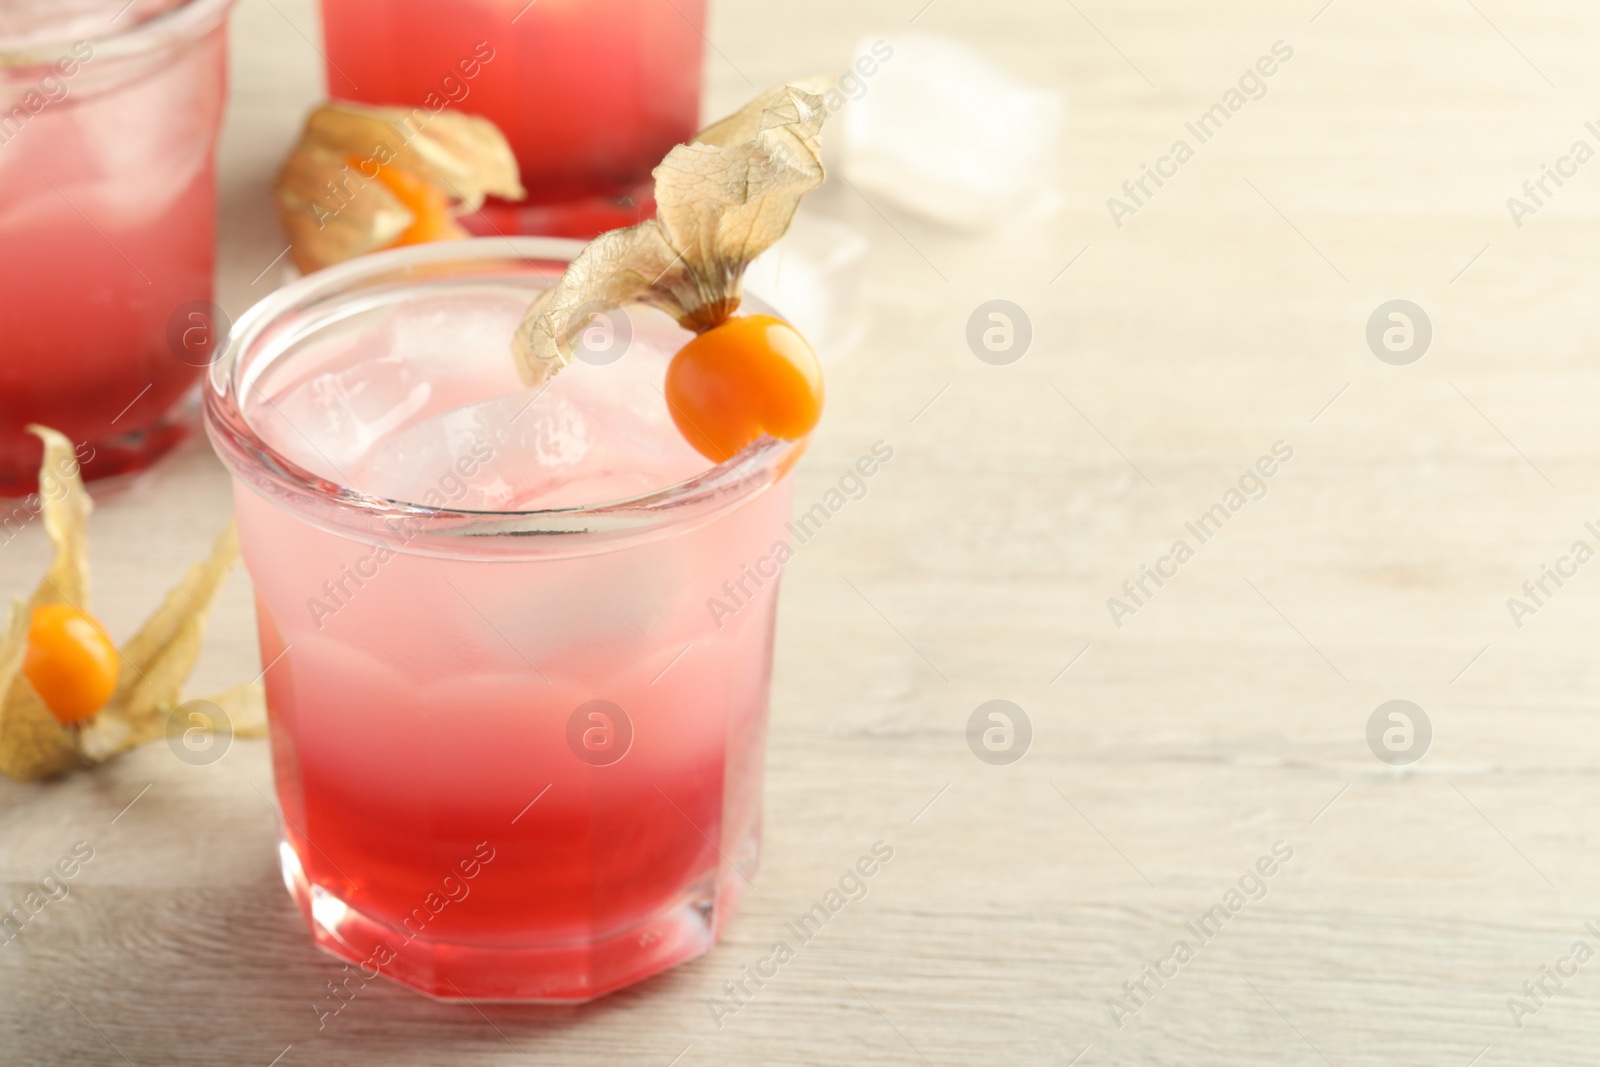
(70, 662)
(752, 374)
(431, 218)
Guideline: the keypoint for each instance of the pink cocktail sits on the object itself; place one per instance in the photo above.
(108, 128)
(518, 752)
(590, 93)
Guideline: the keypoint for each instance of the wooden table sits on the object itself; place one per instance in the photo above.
(1227, 716)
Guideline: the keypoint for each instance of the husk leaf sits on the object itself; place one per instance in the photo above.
(245, 706)
(66, 507)
(334, 211)
(34, 744)
(160, 657)
(721, 201)
(320, 235)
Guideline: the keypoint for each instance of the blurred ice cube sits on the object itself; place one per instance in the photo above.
(459, 335)
(32, 23)
(495, 455)
(425, 356)
(148, 140)
(329, 422)
(944, 132)
(424, 406)
(813, 278)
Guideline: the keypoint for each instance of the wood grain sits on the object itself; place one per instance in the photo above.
(1228, 714)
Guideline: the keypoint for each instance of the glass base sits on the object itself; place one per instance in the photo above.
(583, 218)
(100, 459)
(555, 974)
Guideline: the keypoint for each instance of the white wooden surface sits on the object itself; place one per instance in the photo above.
(1227, 715)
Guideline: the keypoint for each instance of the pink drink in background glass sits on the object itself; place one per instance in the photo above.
(590, 93)
(108, 128)
(517, 755)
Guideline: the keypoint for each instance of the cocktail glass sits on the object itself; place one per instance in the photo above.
(107, 225)
(517, 649)
(590, 93)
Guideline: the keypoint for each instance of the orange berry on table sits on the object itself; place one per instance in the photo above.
(752, 374)
(70, 662)
(431, 217)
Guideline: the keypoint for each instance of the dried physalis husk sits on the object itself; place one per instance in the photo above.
(337, 193)
(158, 659)
(155, 663)
(66, 507)
(245, 706)
(33, 742)
(721, 200)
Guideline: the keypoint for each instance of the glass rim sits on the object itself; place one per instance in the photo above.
(249, 457)
(176, 25)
